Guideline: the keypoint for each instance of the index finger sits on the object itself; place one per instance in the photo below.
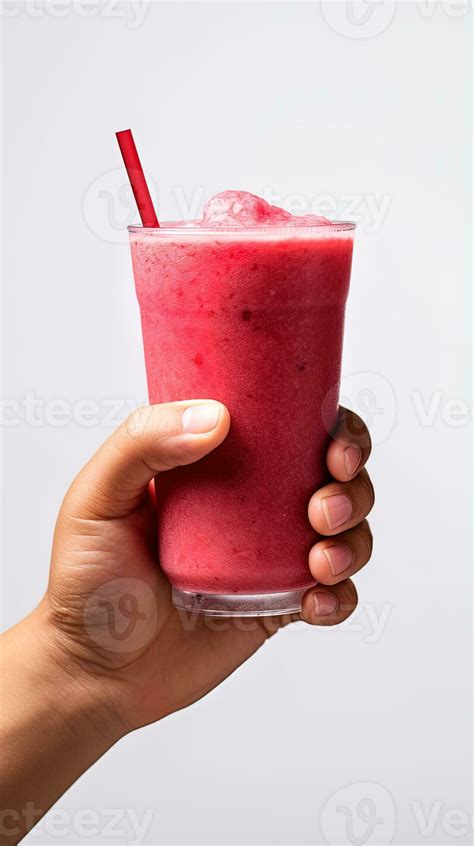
(350, 446)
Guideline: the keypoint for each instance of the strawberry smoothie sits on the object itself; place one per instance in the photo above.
(245, 306)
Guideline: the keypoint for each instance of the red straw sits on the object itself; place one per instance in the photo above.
(137, 178)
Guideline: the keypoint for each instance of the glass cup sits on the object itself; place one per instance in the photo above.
(253, 318)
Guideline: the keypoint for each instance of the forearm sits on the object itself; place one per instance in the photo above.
(53, 726)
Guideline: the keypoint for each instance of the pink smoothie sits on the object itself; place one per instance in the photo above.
(247, 307)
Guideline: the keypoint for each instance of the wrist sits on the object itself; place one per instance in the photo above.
(56, 722)
(75, 688)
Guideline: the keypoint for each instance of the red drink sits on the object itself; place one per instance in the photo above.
(251, 315)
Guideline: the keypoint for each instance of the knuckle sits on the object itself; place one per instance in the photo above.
(136, 423)
(371, 491)
(348, 598)
(355, 425)
(368, 441)
(174, 454)
(367, 540)
(150, 429)
(368, 491)
(355, 429)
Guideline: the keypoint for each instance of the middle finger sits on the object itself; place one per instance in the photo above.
(341, 505)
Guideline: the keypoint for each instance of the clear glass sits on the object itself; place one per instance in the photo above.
(234, 233)
(252, 317)
(239, 604)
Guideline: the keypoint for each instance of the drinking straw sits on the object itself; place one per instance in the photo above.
(137, 178)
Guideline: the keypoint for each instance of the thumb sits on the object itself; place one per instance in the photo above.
(152, 439)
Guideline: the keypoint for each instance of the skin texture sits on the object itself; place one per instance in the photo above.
(105, 652)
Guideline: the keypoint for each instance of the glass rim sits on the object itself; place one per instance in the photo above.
(167, 229)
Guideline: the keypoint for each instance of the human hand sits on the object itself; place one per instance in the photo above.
(105, 651)
(104, 571)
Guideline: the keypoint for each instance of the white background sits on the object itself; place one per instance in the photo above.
(370, 107)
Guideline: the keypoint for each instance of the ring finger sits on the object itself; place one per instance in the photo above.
(334, 559)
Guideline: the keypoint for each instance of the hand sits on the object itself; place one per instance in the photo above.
(106, 623)
(106, 531)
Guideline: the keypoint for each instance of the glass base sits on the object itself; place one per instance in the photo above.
(239, 604)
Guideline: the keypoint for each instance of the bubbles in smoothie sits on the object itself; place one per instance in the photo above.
(239, 208)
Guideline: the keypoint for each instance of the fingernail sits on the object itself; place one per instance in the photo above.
(352, 458)
(337, 510)
(198, 419)
(324, 603)
(339, 557)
